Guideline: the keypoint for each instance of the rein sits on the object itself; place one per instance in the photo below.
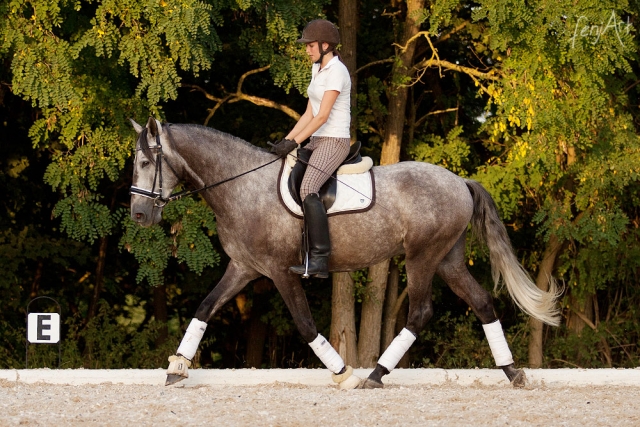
(160, 201)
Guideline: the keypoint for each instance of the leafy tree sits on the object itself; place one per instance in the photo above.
(565, 144)
(87, 67)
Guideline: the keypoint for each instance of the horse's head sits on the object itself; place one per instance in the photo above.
(153, 177)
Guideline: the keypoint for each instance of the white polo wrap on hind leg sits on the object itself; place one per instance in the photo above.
(327, 354)
(397, 349)
(192, 338)
(498, 343)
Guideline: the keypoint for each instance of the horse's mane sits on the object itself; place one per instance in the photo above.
(218, 134)
(143, 142)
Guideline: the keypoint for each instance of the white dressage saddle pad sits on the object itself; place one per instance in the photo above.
(355, 191)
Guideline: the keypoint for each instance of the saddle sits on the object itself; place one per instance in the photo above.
(329, 189)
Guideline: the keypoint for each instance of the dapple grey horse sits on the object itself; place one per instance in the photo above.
(421, 211)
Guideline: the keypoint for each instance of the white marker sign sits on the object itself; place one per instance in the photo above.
(43, 328)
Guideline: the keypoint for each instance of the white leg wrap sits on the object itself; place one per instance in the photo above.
(192, 338)
(397, 349)
(498, 343)
(327, 354)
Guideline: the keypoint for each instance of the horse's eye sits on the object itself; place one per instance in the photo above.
(145, 163)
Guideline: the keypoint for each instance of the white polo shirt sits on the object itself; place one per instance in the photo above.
(334, 76)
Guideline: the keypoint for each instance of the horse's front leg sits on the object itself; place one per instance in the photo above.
(294, 297)
(235, 278)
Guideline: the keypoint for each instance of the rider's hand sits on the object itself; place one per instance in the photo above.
(284, 147)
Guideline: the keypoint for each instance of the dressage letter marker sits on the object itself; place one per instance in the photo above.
(43, 328)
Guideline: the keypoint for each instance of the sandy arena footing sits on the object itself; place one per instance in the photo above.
(322, 377)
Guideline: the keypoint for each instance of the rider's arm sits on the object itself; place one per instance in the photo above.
(308, 124)
(303, 121)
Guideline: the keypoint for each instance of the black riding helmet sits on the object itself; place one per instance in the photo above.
(321, 31)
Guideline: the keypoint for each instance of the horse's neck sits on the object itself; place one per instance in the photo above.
(211, 157)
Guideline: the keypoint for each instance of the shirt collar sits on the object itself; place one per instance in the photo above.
(329, 64)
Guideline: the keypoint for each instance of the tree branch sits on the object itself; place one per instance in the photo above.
(248, 73)
(399, 302)
(452, 32)
(471, 72)
(585, 319)
(263, 102)
(432, 113)
(370, 64)
(238, 95)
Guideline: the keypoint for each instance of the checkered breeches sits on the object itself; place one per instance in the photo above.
(328, 154)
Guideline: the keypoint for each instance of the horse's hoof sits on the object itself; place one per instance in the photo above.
(172, 379)
(516, 377)
(519, 380)
(350, 383)
(369, 384)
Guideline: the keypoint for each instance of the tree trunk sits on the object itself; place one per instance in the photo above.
(401, 321)
(542, 281)
(258, 330)
(398, 94)
(348, 23)
(390, 300)
(97, 288)
(390, 154)
(35, 284)
(371, 318)
(343, 321)
(581, 313)
(160, 313)
(343, 315)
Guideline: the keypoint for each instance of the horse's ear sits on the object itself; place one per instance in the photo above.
(136, 126)
(154, 126)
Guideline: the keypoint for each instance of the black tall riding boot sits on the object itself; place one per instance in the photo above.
(317, 225)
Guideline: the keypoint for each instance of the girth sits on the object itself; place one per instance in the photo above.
(329, 188)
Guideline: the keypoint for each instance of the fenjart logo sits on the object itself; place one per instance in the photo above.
(583, 29)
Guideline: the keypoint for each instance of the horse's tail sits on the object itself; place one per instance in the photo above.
(488, 227)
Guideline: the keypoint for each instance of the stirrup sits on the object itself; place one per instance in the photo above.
(303, 269)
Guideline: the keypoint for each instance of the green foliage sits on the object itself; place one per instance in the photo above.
(75, 61)
(271, 40)
(566, 151)
(151, 247)
(455, 343)
(112, 345)
(189, 241)
(371, 108)
(278, 317)
(360, 280)
(451, 152)
(193, 224)
(20, 253)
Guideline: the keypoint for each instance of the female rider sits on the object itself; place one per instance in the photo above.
(326, 120)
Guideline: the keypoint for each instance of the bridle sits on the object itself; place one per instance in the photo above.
(158, 200)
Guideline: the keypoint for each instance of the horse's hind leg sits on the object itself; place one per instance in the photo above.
(235, 278)
(419, 275)
(453, 270)
(293, 295)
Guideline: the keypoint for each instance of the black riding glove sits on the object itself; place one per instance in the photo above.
(283, 147)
